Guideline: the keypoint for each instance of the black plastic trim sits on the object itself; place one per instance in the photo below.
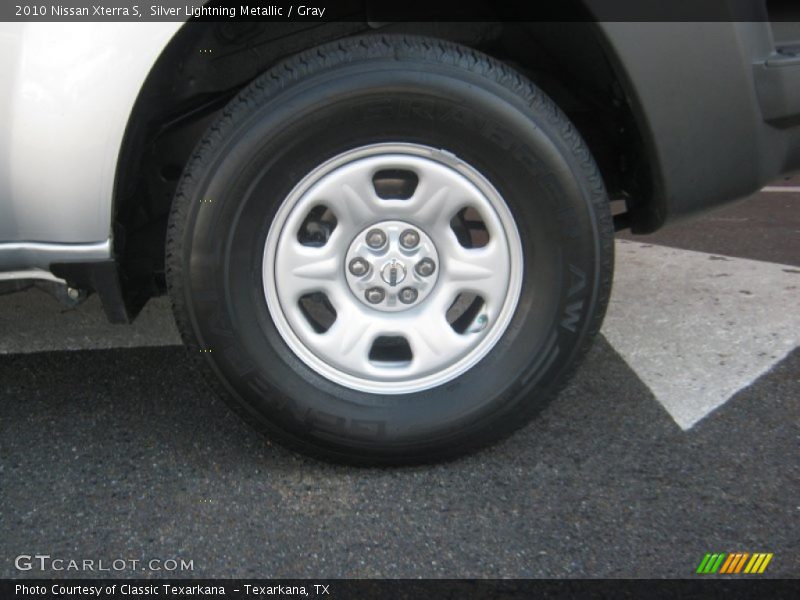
(103, 278)
(778, 87)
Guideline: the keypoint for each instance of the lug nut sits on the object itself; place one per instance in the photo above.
(358, 267)
(376, 238)
(408, 295)
(425, 267)
(409, 239)
(375, 295)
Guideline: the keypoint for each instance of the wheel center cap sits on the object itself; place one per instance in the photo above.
(393, 272)
(391, 266)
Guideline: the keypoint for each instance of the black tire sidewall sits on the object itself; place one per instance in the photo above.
(249, 171)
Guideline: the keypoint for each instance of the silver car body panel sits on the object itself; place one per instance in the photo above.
(66, 93)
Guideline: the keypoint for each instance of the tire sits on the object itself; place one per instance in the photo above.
(267, 199)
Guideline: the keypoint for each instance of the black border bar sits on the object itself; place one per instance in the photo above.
(400, 589)
(406, 10)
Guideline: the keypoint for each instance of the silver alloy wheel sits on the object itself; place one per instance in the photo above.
(434, 321)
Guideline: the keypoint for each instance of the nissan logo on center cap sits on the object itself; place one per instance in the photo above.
(393, 272)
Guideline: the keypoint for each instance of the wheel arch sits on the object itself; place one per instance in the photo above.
(206, 64)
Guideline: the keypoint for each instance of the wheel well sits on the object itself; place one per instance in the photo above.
(206, 64)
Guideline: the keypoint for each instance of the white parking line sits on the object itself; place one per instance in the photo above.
(790, 189)
(697, 328)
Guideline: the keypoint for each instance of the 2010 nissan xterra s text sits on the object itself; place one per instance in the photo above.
(383, 242)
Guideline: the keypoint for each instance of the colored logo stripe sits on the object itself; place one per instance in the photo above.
(727, 565)
(734, 563)
(710, 563)
(758, 563)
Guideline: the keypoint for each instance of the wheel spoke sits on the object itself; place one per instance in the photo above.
(483, 270)
(438, 197)
(303, 269)
(350, 338)
(351, 196)
(433, 341)
(435, 210)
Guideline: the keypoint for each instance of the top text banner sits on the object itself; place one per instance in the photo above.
(377, 11)
(171, 10)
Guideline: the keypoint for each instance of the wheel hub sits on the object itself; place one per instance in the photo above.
(391, 266)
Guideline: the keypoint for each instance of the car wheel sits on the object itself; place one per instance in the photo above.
(389, 249)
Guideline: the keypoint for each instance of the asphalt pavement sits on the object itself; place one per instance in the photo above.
(112, 448)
